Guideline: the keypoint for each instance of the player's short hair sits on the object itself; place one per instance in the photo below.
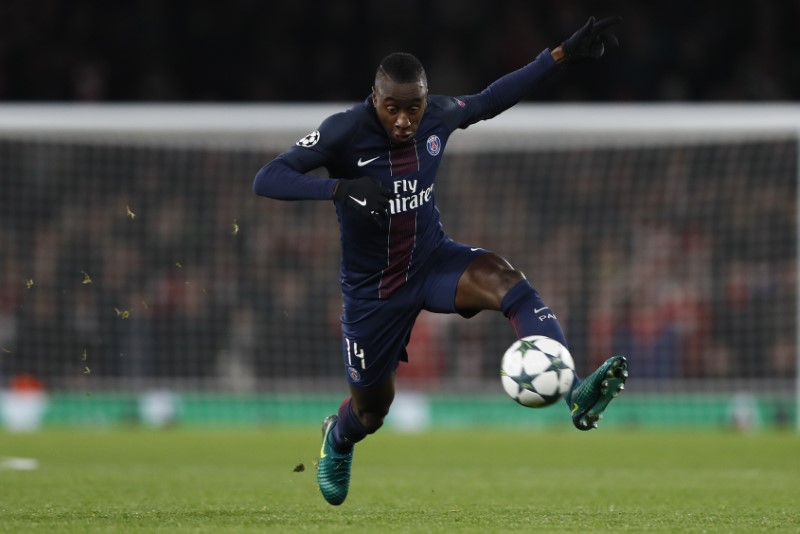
(401, 67)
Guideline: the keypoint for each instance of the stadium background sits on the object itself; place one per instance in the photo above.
(143, 272)
(307, 51)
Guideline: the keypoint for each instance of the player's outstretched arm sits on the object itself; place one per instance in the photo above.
(589, 42)
(277, 179)
(286, 177)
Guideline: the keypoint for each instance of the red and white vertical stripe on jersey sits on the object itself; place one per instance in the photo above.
(402, 226)
(399, 249)
(403, 159)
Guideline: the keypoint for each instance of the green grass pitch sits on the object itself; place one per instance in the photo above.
(185, 480)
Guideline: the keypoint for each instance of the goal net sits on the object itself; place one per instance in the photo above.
(135, 258)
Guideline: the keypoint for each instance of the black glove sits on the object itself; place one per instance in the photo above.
(366, 195)
(591, 41)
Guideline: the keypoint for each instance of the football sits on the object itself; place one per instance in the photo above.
(537, 371)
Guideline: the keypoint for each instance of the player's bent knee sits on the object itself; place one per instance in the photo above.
(508, 278)
(370, 406)
(494, 271)
(484, 284)
(372, 421)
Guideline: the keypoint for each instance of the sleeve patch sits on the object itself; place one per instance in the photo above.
(309, 140)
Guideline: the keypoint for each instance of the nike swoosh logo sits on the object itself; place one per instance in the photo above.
(474, 249)
(575, 408)
(367, 162)
(360, 201)
(322, 451)
(535, 310)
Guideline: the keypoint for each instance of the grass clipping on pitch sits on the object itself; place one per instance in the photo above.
(451, 481)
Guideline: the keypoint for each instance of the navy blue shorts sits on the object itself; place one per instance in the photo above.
(375, 332)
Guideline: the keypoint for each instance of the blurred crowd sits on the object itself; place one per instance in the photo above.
(683, 258)
(246, 50)
(128, 261)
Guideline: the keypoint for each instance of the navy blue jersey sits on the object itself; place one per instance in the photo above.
(377, 261)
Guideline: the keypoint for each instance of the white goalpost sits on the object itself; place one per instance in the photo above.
(136, 257)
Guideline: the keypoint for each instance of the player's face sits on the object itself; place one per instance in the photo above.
(400, 107)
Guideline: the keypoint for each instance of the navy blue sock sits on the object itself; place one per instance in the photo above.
(529, 315)
(348, 430)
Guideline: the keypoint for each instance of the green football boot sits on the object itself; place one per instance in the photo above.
(589, 397)
(333, 471)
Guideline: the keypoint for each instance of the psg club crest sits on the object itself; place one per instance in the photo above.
(460, 103)
(434, 145)
(309, 140)
(355, 376)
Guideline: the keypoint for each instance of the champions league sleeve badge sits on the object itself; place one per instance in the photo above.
(309, 140)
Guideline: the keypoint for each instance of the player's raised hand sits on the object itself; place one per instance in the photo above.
(592, 40)
(366, 195)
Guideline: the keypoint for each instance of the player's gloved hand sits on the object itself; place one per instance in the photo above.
(366, 195)
(591, 41)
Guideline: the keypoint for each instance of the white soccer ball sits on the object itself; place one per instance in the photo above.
(537, 371)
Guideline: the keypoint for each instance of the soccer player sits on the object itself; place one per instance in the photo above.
(396, 259)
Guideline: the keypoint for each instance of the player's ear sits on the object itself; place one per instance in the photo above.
(374, 98)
